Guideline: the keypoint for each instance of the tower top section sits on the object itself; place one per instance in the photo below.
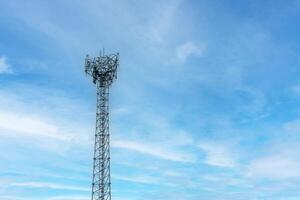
(103, 68)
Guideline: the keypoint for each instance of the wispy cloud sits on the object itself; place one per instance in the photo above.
(154, 150)
(163, 21)
(65, 197)
(217, 154)
(188, 49)
(144, 179)
(172, 173)
(70, 197)
(4, 66)
(39, 119)
(49, 186)
(275, 167)
(14, 123)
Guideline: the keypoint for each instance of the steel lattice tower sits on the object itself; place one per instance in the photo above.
(103, 70)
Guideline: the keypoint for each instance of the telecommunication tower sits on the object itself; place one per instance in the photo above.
(103, 70)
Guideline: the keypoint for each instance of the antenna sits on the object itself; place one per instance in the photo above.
(103, 70)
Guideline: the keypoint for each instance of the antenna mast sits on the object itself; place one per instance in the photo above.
(103, 70)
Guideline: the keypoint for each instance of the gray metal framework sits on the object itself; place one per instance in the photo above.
(103, 70)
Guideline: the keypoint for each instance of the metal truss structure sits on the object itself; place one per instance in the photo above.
(103, 70)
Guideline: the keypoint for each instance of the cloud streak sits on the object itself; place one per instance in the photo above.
(49, 185)
(189, 49)
(143, 179)
(28, 125)
(5, 68)
(217, 154)
(275, 167)
(155, 150)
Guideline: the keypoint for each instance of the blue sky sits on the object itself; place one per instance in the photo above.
(206, 105)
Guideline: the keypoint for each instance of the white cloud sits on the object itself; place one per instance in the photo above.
(50, 186)
(172, 173)
(70, 197)
(163, 21)
(42, 132)
(144, 179)
(212, 178)
(28, 125)
(275, 167)
(218, 154)
(153, 150)
(120, 111)
(4, 66)
(5, 197)
(226, 180)
(26, 114)
(189, 49)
